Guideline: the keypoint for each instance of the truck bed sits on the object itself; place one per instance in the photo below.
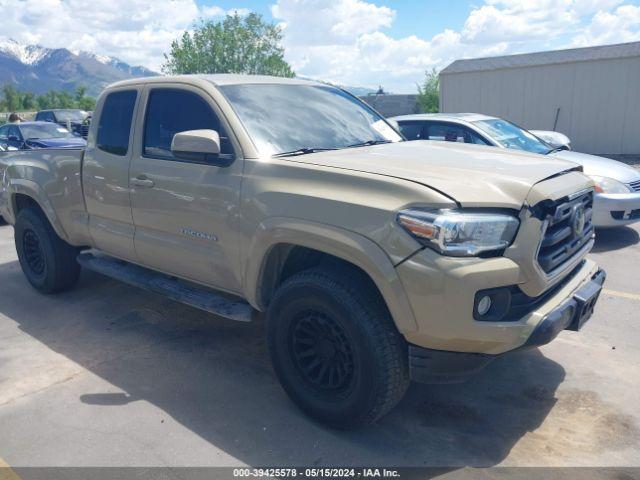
(53, 178)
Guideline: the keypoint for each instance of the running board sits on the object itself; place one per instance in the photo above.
(166, 286)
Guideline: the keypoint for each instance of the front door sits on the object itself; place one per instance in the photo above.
(184, 211)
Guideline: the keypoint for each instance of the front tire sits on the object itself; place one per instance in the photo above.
(48, 262)
(335, 348)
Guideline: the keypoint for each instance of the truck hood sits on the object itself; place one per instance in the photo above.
(601, 166)
(472, 175)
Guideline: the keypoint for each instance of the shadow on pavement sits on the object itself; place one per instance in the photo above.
(608, 239)
(214, 377)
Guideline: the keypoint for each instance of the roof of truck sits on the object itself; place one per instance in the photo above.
(217, 79)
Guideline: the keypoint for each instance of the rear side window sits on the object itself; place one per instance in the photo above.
(448, 132)
(412, 130)
(115, 122)
(45, 117)
(170, 111)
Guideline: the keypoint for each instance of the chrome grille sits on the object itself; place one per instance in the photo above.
(84, 131)
(635, 186)
(562, 237)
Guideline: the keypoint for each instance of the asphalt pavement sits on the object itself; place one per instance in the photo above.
(108, 375)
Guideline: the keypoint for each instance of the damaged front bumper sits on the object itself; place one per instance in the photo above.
(440, 366)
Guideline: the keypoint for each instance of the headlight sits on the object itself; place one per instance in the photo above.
(460, 233)
(609, 185)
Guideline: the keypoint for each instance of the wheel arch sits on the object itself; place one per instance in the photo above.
(284, 246)
(25, 194)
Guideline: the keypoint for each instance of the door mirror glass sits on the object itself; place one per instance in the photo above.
(197, 146)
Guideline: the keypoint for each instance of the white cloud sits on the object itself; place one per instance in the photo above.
(345, 40)
(136, 31)
(620, 25)
(212, 11)
(322, 22)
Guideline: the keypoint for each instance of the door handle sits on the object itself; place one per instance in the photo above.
(142, 181)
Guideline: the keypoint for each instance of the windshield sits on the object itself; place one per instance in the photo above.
(285, 118)
(511, 136)
(44, 130)
(76, 116)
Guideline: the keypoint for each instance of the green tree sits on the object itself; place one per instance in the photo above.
(28, 101)
(11, 98)
(246, 44)
(429, 93)
(81, 99)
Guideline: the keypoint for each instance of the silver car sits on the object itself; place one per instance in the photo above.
(617, 200)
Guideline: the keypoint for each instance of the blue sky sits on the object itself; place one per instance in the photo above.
(352, 42)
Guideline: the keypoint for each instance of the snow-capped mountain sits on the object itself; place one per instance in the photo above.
(27, 54)
(39, 69)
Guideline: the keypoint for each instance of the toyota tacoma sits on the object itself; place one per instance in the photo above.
(376, 261)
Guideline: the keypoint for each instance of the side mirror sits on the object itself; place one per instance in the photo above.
(199, 146)
(13, 138)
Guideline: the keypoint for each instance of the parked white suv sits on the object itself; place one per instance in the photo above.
(617, 199)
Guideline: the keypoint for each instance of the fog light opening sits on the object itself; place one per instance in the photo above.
(484, 305)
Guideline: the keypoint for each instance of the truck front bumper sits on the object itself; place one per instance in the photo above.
(440, 366)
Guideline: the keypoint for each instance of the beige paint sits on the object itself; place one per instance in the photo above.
(217, 226)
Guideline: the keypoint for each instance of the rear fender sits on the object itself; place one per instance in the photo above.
(29, 188)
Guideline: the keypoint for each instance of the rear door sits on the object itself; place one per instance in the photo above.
(184, 211)
(105, 174)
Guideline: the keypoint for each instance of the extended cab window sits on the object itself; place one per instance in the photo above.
(114, 125)
(171, 111)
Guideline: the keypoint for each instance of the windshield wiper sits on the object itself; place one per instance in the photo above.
(368, 143)
(554, 150)
(302, 151)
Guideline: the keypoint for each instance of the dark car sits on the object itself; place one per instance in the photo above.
(31, 135)
(72, 118)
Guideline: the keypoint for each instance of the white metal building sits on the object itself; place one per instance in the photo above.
(590, 94)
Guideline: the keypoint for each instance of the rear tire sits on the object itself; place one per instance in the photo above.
(48, 262)
(335, 348)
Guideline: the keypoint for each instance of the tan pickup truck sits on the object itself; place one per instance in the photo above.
(377, 261)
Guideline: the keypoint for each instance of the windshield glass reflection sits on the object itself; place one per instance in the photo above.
(284, 118)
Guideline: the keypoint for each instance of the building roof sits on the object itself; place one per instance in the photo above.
(621, 50)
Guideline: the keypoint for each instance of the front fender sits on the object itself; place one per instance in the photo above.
(344, 244)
